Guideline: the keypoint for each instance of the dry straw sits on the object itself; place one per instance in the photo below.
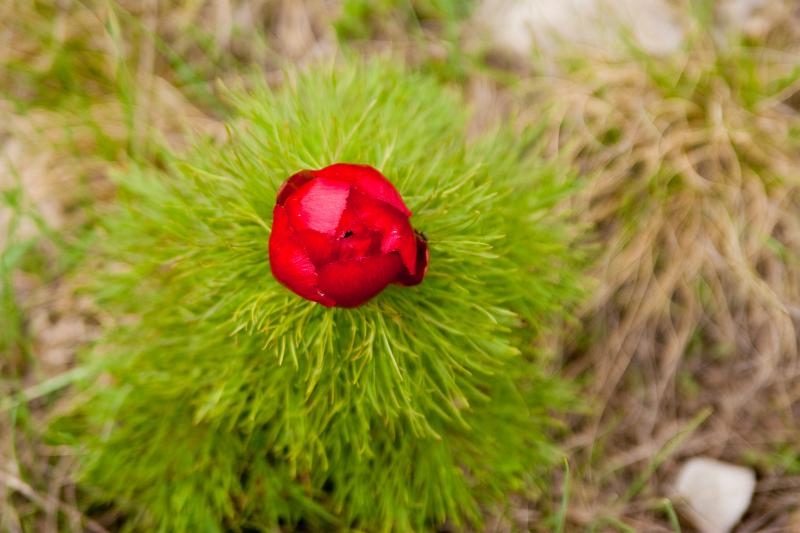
(692, 163)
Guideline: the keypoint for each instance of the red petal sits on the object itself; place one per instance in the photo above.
(318, 205)
(396, 232)
(321, 248)
(423, 257)
(351, 283)
(367, 180)
(289, 262)
(350, 222)
(292, 184)
(359, 246)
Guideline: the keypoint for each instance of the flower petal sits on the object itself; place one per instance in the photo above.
(318, 205)
(292, 184)
(394, 227)
(289, 262)
(351, 283)
(423, 257)
(359, 246)
(321, 248)
(367, 180)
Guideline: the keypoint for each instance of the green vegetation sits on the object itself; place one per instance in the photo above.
(235, 403)
(365, 19)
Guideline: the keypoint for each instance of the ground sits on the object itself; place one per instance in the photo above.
(687, 142)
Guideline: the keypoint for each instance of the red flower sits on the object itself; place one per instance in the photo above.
(341, 234)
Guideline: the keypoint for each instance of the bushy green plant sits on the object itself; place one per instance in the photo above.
(235, 404)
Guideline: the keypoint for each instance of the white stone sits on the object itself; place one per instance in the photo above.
(740, 12)
(522, 25)
(715, 494)
(519, 25)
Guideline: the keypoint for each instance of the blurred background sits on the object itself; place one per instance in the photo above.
(682, 118)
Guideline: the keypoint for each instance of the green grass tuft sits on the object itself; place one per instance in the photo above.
(236, 404)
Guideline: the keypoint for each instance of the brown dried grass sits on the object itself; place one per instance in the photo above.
(693, 187)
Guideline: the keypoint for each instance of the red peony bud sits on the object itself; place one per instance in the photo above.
(341, 234)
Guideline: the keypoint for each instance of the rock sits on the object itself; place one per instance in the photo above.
(657, 26)
(521, 25)
(715, 494)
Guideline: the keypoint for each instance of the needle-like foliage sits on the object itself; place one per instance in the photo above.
(235, 404)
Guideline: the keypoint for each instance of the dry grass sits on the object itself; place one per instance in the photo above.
(694, 191)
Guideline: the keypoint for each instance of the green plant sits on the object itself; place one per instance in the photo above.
(365, 19)
(235, 404)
